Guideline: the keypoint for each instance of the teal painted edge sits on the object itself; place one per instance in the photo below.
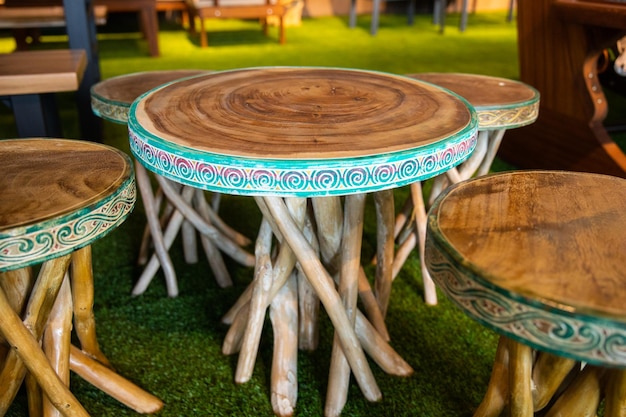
(258, 177)
(62, 235)
(298, 178)
(537, 323)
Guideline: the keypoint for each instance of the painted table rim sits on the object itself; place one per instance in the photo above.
(109, 211)
(177, 162)
(523, 308)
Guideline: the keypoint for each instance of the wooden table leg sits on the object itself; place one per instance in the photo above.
(549, 372)
(615, 398)
(385, 218)
(582, 396)
(324, 287)
(145, 188)
(339, 375)
(82, 297)
(56, 341)
(520, 376)
(27, 347)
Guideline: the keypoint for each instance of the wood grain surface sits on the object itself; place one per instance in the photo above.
(124, 89)
(481, 90)
(46, 178)
(306, 113)
(555, 236)
(37, 72)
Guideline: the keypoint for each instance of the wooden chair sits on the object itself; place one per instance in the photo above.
(236, 9)
(537, 256)
(58, 196)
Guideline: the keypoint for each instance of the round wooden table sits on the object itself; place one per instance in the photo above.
(58, 196)
(111, 100)
(286, 134)
(501, 104)
(538, 256)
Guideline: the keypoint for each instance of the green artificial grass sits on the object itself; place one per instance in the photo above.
(172, 346)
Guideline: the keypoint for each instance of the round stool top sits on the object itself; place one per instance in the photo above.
(298, 131)
(59, 195)
(500, 103)
(539, 257)
(111, 98)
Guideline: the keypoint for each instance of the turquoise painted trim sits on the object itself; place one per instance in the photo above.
(33, 244)
(298, 177)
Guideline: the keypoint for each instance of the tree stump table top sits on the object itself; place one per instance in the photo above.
(499, 102)
(298, 131)
(59, 195)
(111, 98)
(539, 257)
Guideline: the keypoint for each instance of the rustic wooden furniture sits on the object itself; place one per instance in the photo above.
(285, 136)
(29, 79)
(58, 196)
(236, 9)
(169, 6)
(501, 104)
(80, 23)
(22, 20)
(538, 257)
(111, 100)
(559, 44)
(148, 18)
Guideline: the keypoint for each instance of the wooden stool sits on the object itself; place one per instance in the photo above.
(500, 104)
(111, 100)
(58, 196)
(538, 256)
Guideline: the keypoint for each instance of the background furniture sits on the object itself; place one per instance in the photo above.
(289, 134)
(111, 100)
(537, 256)
(58, 196)
(500, 105)
(560, 42)
(236, 9)
(28, 81)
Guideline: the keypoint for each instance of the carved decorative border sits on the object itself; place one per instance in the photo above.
(507, 117)
(596, 340)
(58, 237)
(301, 178)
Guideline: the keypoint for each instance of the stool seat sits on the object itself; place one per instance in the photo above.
(538, 257)
(57, 197)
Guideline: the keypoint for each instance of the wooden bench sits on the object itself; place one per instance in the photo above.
(236, 9)
(25, 21)
(146, 9)
(28, 81)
